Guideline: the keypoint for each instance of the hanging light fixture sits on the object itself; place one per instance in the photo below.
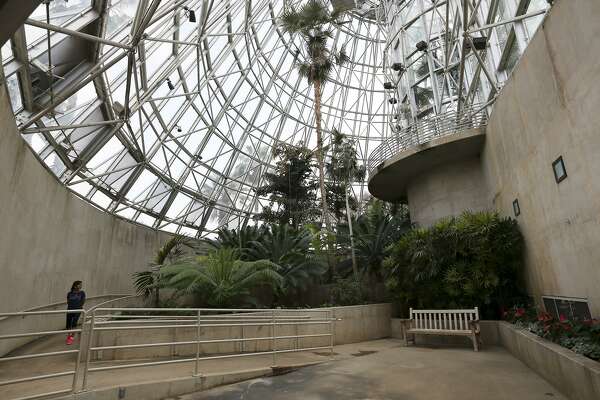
(170, 84)
(191, 14)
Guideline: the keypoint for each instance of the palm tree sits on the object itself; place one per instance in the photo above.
(343, 169)
(314, 23)
(221, 277)
(147, 282)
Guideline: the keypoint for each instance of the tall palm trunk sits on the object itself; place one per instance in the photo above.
(321, 162)
(349, 217)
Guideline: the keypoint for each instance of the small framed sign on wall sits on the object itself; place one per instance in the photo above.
(516, 207)
(560, 171)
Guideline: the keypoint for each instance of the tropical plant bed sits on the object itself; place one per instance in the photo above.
(574, 375)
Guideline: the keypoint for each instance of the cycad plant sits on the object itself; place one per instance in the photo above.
(220, 277)
(314, 23)
(238, 238)
(147, 282)
(290, 249)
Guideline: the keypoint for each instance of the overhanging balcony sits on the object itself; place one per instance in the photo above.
(447, 137)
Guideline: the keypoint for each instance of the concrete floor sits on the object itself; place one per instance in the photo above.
(386, 370)
(380, 369)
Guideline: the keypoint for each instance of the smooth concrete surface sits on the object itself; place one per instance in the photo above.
(573, 374)
(380, 369)
(395, 175)
(50, 237)
(145, 383)
(550, 108)
(354, 324)
(397, 372)
(447, 190)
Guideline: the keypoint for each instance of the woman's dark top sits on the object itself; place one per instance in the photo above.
(75, 300)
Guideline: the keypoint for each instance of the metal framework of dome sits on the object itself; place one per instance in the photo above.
(165, 112)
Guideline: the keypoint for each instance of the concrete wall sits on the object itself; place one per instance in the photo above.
(49, 237)
(447, 190)
(551, 107)
(355, 324)
(576, 376)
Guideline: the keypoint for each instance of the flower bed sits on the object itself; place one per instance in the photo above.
(580, 336)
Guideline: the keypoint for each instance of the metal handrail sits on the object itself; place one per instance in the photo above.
(97, 320)
(425, 130)
(117, 297)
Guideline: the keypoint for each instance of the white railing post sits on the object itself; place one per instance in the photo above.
(88, 354)
(82, 336)
(273, 340)
(331, 314)
(198, 335)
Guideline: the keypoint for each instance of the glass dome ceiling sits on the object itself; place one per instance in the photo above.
(166, 117)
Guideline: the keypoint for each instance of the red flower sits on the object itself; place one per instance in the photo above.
(544, 317)
(562, 318)
(519, 312)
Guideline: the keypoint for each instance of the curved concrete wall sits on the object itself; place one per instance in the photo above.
(49, 237)
(551, 107)
(447, 190)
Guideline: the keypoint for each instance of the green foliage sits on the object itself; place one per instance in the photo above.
(471, 260)
(314, 22)
(290, 188)
(289, 248)
(221, 278)
(238, 238)
(342, 169)
(381, 225)
(147, 282)
(583, 337)
(347, 292)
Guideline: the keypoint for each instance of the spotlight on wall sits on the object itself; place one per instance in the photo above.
(170, 84)
(422, 46)
(178, 128)
(191, 14)
(389, 85)
(393, 100)
(516, 207)
(398, 67)
(479, 43)
(560, 171)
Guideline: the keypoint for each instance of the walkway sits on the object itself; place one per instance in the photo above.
(386, 370)
(380, 369)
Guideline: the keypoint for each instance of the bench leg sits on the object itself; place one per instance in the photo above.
(475, 340)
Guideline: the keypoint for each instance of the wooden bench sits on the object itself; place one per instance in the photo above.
(444, 322)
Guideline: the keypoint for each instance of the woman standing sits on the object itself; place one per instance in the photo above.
(75, 301)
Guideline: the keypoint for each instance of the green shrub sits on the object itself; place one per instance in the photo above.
(472, 260)
(347, 292)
